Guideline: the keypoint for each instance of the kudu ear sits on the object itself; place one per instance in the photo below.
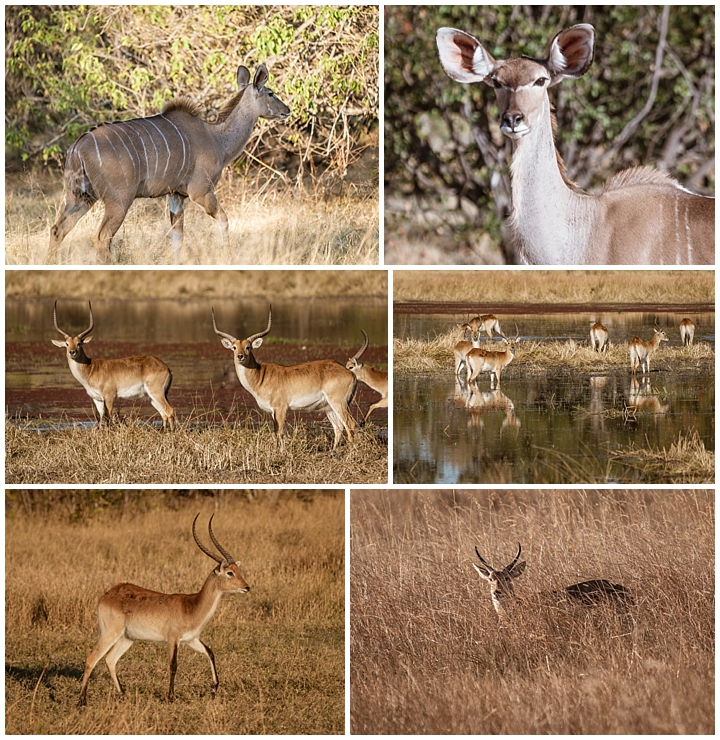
(518, 570)
(58, 343)
(256, 343)
(571, 52)
(226, 343)
(483, 574)
(462, 56)
(243, 77)
(261, 77)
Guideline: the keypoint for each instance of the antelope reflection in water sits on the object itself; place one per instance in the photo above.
(481, 403)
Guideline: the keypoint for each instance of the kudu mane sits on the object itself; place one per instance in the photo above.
(189, 106)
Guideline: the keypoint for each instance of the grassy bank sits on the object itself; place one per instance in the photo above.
(269, 225)
(556, 286)
(279, 649)
(427, 656)
(227, 454)
(195, 283)
(436, 355)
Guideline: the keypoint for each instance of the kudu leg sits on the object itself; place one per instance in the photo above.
(209, 202)
(177, 221)
(115, 213)
(73, 212)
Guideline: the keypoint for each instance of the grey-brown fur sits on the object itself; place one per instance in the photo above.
(174, 153)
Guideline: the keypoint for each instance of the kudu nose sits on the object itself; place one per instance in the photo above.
(512, 119)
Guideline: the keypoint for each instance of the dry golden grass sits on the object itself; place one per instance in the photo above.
(436, 355)
(279, 649)
(556, 286)
(269, 225)
(428, 656)
(140, 454)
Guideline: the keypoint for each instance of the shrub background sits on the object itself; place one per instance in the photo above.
(73, 66)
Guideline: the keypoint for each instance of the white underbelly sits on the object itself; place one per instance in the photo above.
(132, 391)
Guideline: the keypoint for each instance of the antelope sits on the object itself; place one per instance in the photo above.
(461, 349)
(586, 593)
(174, 153)
(487, 323)
(599, 336)
(320, 385)
(106, 380)
(640, 350)
(376, 379)
(478, 404)
(642, 217)
(490, 361)
(642, 398)
(687, 332)
(127, 613)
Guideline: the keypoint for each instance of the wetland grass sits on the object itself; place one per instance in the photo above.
(138, 453)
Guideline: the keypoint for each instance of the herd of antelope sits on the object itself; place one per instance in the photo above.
(475, 360)
(320, 385)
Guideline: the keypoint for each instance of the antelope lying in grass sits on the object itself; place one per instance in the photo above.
(640, 350)
(376, 379)
(599, 337)
(687, 332)
(586, 593)
(174, 153)
(642, 216)
(320, 385)
(127, 613)
(106, 380)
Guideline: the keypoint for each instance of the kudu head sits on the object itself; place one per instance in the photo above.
(474, 326)
(501, 587)
(520, 84)
(354, 362)
(74, 345)
(264, 101)
(242, 349)
(228, 575)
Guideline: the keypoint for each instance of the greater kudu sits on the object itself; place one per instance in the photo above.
(642, 216)
(174, 153)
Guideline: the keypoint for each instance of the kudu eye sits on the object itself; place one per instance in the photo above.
(540, 82)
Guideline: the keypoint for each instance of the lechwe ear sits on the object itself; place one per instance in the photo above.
(462, 56)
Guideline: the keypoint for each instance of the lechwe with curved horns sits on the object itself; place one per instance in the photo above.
(587, 593)
(599, 337)
(643, 217)
(174, 153)
(641, 349)
(106, 380)
(376, 379)
(687, 332)
(320, 385)
(127, 613)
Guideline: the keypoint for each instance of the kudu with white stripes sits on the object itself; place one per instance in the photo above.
(642, 216)
(127, 613)
(687, 332)
(174, 153)
(376, 379)
(319, 385)
(106, 380)
(641, 349)
(599, 337)
(586, 593)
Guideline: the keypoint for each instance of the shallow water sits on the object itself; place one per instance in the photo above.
(558, 426)
(39, 385)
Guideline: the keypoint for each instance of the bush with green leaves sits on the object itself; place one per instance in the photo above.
(70, 67)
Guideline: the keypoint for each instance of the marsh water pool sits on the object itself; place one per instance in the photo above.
(40, 390)
(558, 425)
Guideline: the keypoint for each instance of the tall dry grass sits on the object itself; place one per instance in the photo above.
(556, 286)
(279, 649)
(269, 225)
(428, 655)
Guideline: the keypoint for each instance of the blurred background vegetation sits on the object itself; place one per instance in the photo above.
(69, 67)
(447, 182)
